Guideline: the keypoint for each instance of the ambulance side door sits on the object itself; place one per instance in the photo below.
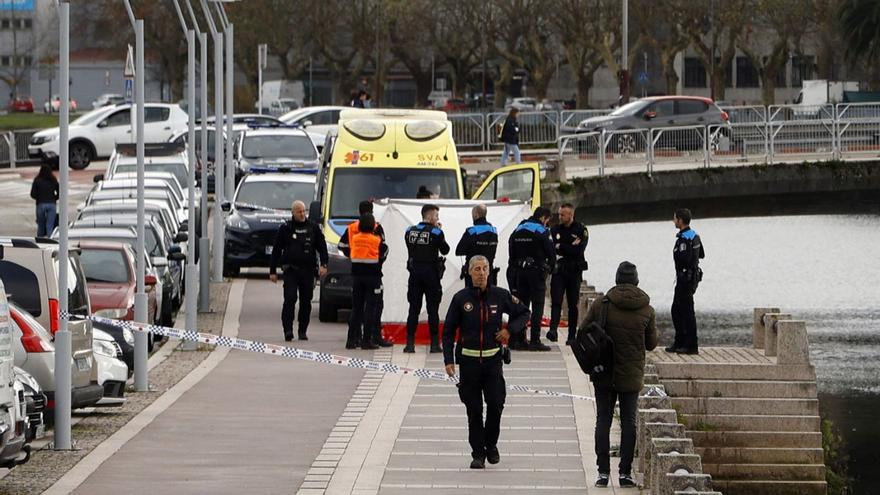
(520, 182)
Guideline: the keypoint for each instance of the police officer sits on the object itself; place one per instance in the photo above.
(570, 239)
(475, 312)
(366, 329)
(534, 256)
(479, 239)
(301, 251)
(367, 250)
(425, 243)
(687, 253)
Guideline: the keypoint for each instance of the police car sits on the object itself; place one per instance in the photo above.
(273, 146)
(262, 202)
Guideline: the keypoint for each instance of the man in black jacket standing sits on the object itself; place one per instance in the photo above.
(570, 240)
(475, 313)
(686, 253)
(425, 244)
(479, 239)
(301, 251)
(533, 255)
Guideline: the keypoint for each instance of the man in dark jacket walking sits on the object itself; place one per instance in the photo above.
(510, 137)
(630, 323)
(301, 251)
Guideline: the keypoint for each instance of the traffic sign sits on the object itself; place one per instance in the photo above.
(643, 77)
(129, 90)
(128, 72)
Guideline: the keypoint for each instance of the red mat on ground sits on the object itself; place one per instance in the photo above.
(396, 332)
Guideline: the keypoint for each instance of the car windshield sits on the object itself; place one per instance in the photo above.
(105, 266)
(90, 116)
(278, 146)
(401, 183)
(627, 109)
(177, 169)
(275, 195)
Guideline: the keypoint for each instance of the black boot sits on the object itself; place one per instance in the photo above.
(435, 344)
(552, 336)
(410, 342)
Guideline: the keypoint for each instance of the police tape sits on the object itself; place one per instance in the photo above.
(303, 354)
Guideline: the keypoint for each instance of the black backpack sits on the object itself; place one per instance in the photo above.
(592, 347)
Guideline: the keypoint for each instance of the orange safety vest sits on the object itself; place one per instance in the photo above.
(364, 246)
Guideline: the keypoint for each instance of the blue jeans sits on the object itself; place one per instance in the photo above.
(46, 216)
(508, 148)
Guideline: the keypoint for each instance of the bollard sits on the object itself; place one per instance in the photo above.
(770, 333)
(758, 326)
(793, 345)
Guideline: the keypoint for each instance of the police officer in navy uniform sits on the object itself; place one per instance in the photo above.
(301, 251)
(425, 243)
(365, 329)
(570, 240)
(687, 253)
(475, 313)
(479, 239)
(534, 256)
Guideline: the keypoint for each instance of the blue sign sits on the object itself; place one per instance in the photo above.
(129, 90)
(643, 77)
(17, 5)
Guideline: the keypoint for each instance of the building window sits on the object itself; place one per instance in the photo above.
(27, 23)
(5, 61)
(694, 73)
(5, 23)
(801, 69)
(746, 74)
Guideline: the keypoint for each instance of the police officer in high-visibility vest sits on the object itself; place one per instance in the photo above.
(687, 253)
(425, 243)
(475, 313)
(570, 239)
(367, 250)
(479, 239)
(534, 256)
(301, 251)
(360, 333)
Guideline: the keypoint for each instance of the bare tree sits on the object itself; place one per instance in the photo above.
(458, 44)
(411, 28)
(343, 38)
(714, 27)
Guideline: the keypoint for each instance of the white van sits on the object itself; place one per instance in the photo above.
(13, 414)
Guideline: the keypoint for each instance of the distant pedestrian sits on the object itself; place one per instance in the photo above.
(367, 100)
(357, 99)
(44, 190)
(630, 323)
(510, 137)
(687, 253)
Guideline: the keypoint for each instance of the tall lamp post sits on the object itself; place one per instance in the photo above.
(229, 36)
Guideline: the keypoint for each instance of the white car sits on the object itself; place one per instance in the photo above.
(112, 372)
(108, 99)
(522, 104)
(267, 148)
(13, 413)
(316, 120)
(95, 134)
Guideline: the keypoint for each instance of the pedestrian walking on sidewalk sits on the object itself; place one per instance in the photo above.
(44, 190)
(301, 251)
(510, 137)
(425, 245)
(475, 313)
(532, 253)
(687, 253)
(570, 240)
(630, 323)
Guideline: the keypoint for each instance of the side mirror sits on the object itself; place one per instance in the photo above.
(178, 256)
(98, 178)
(184, 226)
(150, 280)
(226, 206)
(650, 114)
(181, 237)
(102, 124)
(315, 212)
(307, 123)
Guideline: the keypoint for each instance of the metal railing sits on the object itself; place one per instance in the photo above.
(14, 147)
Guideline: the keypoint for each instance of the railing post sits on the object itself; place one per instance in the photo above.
(10, 143)
(836, 138)
(602, 143)
(706, 147)
(650, 152)
(769, 137)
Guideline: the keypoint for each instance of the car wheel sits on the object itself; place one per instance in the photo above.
(80, 156)
(327, 313)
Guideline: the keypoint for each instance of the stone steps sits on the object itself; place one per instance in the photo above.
(739, 388)
(743, 405)
(749, 422)
(734, 371)
(770, 487)
(790, 472)
(786, 439)
(760, 455)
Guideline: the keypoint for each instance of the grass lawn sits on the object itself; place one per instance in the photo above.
(36, 120)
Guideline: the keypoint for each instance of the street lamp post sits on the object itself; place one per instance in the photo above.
(229, 36)
(262, 55)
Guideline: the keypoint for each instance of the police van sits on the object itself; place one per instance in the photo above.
(400, 154)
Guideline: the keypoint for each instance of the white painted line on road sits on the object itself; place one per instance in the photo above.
(90, 463)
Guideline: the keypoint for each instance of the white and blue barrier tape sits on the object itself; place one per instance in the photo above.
(306, 355)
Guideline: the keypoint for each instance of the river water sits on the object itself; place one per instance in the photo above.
(822, 269)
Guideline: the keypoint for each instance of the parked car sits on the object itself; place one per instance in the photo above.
(20, 105)
(153, 207)
(112, 372)
(118, 194)
(275, 148)
(455, 105)
(13, 414)
(522, 104)
(245, 119)
(316, 120)
(54, 105)
(124, 338)
(282, 106)
(95, 134)
(107, 99)
(657, 111)
(35, 405)
(261, 204)
(29, 267)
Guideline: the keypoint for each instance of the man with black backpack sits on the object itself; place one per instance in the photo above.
(628, 321)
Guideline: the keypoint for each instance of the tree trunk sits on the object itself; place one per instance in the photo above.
(718, 84)
(502, 85)
(669, 73)
(768, 87)
(584, 82)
